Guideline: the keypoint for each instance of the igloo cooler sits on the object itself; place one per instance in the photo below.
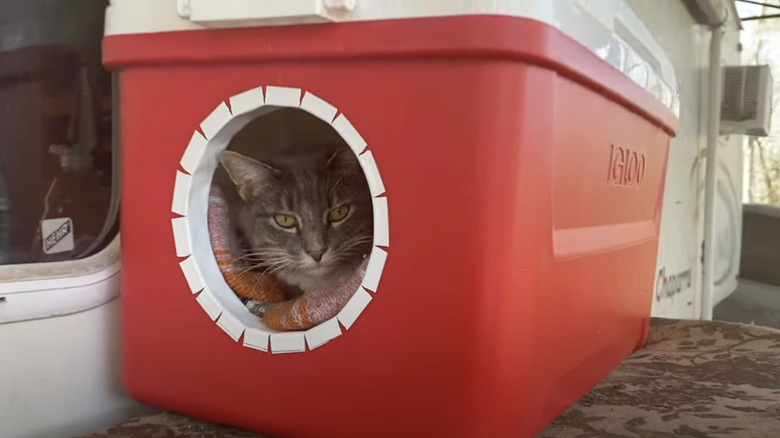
(517, 181)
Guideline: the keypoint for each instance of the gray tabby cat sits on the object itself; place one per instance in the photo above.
(305, 214)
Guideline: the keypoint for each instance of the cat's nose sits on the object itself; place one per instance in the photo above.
(316, 254)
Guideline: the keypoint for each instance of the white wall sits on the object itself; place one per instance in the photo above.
(680, 251)
(59, 377)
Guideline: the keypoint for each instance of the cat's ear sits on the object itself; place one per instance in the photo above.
(344, 160)
(250, 176)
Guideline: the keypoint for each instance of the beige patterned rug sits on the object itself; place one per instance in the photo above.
(694, 379)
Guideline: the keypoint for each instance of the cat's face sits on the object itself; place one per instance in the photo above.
(310, 215)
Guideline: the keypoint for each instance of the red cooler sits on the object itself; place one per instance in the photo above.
(517, 181)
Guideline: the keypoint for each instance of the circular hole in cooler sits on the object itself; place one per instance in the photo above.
(286, 316)
(312, 223)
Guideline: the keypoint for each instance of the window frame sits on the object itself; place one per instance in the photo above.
(31, 291)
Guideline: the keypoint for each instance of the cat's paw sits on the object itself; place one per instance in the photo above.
(258, 308)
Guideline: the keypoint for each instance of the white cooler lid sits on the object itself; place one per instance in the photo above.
(609, 28)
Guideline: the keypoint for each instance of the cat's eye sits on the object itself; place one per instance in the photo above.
(285, 221)
(338, 213)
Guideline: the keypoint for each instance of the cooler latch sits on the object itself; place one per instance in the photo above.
(244, 13)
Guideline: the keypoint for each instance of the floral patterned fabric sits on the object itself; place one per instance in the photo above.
(694, 379)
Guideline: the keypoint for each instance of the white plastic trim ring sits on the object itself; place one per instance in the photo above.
(45, 290)
(191, 237)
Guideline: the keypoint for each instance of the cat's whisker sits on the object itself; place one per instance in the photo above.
(269, 271)
(358, 240)
(244, 271)
(356, 248)
(246, 256)
(276, 270)
(263, 275)
(265, 263)
(335, 186)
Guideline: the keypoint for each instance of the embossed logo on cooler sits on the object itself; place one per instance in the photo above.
(626, 167)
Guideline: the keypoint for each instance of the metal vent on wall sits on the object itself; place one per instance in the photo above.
(746, 107)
